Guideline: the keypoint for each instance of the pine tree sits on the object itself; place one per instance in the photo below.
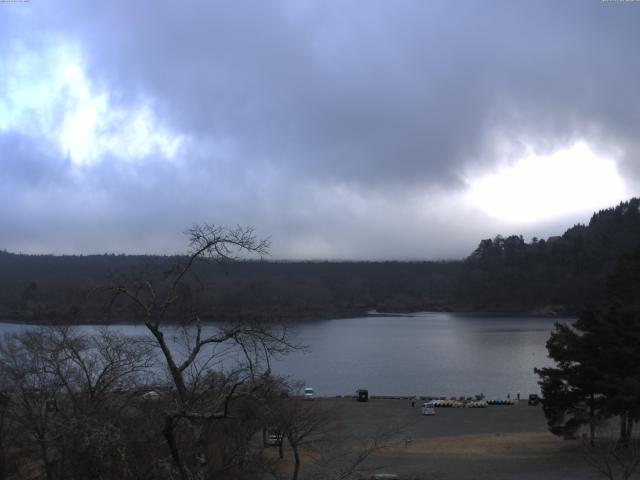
(597, 373)
(571, 396)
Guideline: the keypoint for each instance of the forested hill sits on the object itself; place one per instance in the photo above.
(559, 274)
(70, 288)
(548, 276)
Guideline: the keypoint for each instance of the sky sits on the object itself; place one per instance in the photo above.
(341, 129)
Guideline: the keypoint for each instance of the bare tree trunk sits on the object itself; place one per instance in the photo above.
(61, 463)
(296, 468)
(281, 449)
(176, 374)
(592, 421)
(169, 425)
(3, 455)
(624, 435)
(48, 468)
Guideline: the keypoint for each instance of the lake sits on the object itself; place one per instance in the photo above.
(439, 354)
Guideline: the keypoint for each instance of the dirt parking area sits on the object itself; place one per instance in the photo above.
(497, 442)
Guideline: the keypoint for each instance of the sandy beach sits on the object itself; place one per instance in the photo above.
(497, 442)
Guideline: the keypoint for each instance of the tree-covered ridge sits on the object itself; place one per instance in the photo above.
(37, 288)
(560, 273)
(504, 274)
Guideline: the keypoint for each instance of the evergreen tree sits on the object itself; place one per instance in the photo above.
(597, 373)
(571, 396)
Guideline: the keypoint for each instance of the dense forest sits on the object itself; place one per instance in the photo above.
(557, 275)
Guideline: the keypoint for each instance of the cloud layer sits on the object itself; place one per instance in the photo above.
(341, 129)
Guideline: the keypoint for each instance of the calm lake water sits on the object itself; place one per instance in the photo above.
(438, 354)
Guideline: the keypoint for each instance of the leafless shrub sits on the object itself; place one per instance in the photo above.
(64, 402)
(611, 458)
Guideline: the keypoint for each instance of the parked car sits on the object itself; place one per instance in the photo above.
(534, 399)
(274, 438)
(428, 408)
(151, 395)
(309, 394)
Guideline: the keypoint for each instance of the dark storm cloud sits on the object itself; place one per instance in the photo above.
(387, 91)
(304, 118)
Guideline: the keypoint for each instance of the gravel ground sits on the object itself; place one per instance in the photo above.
(498, 442)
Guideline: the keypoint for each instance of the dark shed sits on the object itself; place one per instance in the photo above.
(362, 395)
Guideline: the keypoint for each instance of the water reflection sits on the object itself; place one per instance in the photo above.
(432, 353)
(439, 354)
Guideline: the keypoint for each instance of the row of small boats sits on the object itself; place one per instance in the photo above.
(443, 403)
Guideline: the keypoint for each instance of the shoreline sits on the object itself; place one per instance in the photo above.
(20, 320)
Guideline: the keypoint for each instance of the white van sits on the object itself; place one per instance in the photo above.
(308, 393)
(428, 408)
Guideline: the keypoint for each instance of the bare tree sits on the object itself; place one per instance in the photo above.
(93, 367)
(301, 423)
(33, 390)
(314, 432)
(4, 403)
(307, 423)
(343, 455)
(62, 397)
(614, 459)
(197, 399)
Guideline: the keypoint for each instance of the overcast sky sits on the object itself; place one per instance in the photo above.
(341, 129)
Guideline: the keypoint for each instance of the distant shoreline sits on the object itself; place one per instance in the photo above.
(18, 320)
